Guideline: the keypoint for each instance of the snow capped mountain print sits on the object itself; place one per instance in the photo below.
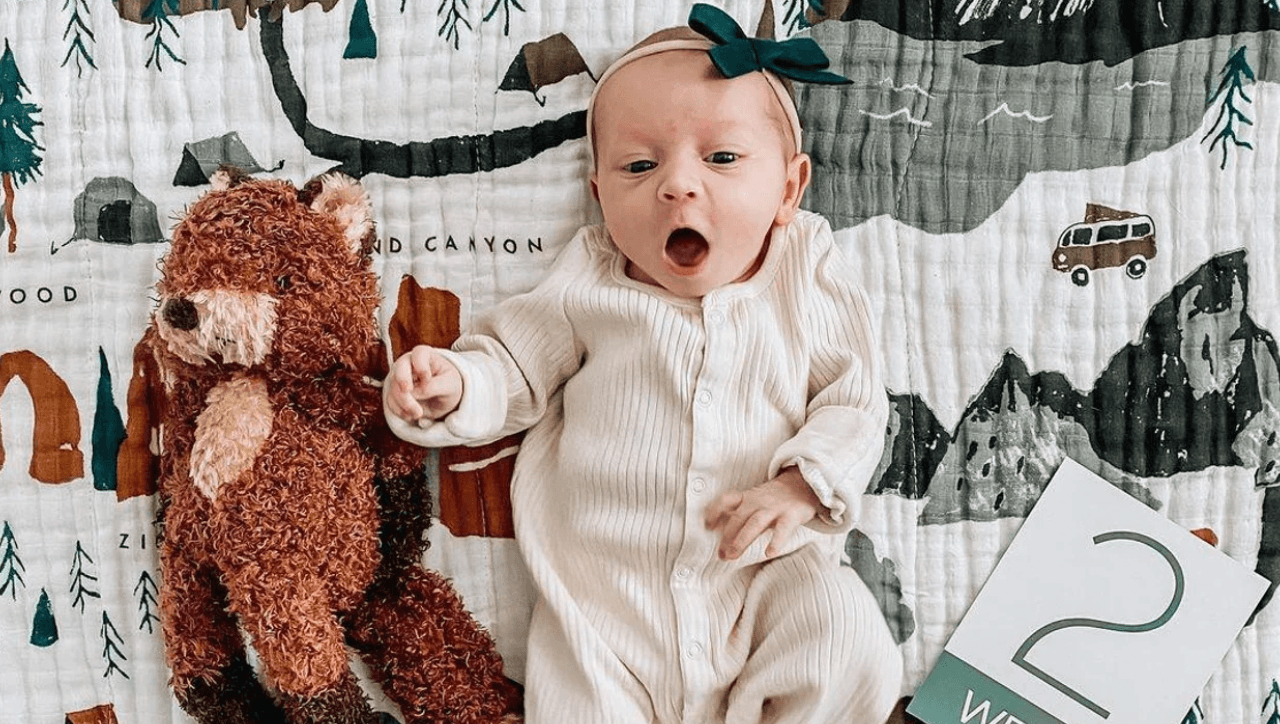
(1030, 32)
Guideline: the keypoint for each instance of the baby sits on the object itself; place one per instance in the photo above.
(699, 380)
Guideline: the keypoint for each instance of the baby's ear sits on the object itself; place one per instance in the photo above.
(342, 197)
(798, 172)
(595, 187)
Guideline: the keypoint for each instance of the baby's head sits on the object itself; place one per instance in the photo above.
(693, 170)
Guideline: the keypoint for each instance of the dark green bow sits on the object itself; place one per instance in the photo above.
(736, 54)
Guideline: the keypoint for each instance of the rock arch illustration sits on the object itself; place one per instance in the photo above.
(55, 444)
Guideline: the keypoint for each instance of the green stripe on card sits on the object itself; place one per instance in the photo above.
(957, 693)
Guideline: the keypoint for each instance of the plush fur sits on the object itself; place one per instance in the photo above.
(288, 509)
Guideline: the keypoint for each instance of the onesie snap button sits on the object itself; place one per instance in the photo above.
(699, 485)
(683, 573)
(716, 317)
(695, 650)
(704, 398)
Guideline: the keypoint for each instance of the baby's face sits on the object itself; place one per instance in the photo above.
(693, 170)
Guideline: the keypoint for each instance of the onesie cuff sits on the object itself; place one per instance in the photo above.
(479, 416)
(483, 408)
(833, 515)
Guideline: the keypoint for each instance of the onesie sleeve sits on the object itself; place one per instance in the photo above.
(839, 446)
(512, 361)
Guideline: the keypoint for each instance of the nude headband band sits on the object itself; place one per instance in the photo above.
(662, 46)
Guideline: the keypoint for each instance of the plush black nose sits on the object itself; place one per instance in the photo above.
(181, 314)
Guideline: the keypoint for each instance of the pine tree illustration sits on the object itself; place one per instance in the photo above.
(1271, 705)
(83, 583)
(78, 28)
(158, 11)
(108, 430)
(148, 603)
(1195, 715)
(1231, 92)
(452, 17)
(19, 162)
(44, 626)
(11, 567)
(362, 41)
(111, 648)
(793, 17)
(505, 6)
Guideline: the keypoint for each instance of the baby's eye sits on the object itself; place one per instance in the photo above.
(640, 166)
(723, 157)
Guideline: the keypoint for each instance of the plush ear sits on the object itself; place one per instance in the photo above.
(342, 197)
(227, 176)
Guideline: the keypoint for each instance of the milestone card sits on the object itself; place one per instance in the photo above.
(1100, 611)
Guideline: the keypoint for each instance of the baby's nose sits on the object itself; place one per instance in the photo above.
(679, 183)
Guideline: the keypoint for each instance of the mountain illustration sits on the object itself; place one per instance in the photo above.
(1010, 441)
(1179, 398)
(1199, 388)
(1031, 32)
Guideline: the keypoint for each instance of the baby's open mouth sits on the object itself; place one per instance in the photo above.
(686, 248)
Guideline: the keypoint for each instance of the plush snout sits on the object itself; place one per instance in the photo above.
(219, 325)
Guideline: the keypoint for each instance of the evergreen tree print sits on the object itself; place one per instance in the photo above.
(362, 41)
(505, 6)
(11, 567)
(111, 650)
(452, 16)
(158, 11)
(19, 162)
(108, 430)
(83, 583)
(1195, 715)
(793, 17)
(1231, 95)
(148, 601)
(1271, 705)
(78, 29)
(44, 627)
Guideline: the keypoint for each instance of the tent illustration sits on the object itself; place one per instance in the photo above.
(112, 210)
(201, 158)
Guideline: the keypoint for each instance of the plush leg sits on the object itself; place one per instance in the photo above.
(300, 645)
(343, 703)
(429, 654)
(233, 697)
(211, 679)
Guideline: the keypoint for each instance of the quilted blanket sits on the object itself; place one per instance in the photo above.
(1064, 213)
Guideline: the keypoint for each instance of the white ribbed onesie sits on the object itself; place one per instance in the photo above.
(644, 408)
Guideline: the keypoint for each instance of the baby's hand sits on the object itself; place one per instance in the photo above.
(780, 505)
(423, 384)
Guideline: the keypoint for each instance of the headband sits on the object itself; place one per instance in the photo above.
(735, 54)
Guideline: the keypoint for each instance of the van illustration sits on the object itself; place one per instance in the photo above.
(1106, 238)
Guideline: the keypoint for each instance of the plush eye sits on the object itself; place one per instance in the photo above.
(721, 157)
(640, 166)
(283, 283)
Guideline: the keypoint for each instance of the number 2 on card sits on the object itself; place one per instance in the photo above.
(1179, 584)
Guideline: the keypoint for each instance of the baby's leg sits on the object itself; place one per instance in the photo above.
(820, 648)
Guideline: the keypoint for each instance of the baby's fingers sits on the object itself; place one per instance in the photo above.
(783, 529)
(720, 509)
(737, 539)
(403, 405)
